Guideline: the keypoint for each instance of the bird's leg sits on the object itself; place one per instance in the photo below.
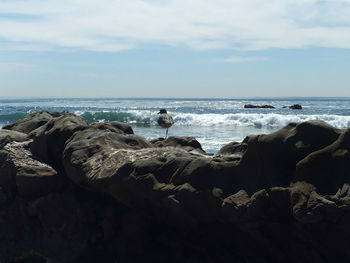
(166, 133)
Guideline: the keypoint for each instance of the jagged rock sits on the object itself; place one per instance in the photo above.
(20, 172)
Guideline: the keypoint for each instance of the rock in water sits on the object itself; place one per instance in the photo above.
(294, 107)
(250, 106)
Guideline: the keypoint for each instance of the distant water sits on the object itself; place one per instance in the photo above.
(213, 122)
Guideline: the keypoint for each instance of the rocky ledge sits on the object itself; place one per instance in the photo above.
(73, 192)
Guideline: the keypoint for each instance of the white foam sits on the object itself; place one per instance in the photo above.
(255, 119)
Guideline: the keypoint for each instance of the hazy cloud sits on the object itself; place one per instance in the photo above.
(114, 25)
(10, 66)
(235, 59)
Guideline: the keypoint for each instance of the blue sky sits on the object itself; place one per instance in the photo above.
(168, 48)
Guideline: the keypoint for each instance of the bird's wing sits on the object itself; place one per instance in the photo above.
(165, 119)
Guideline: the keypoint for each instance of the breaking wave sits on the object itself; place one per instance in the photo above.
(257, 120)
(149, 118)
(9, 118)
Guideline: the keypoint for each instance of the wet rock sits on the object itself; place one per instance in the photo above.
(250, 106)
(294, 107)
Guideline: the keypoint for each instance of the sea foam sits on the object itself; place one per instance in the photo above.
(257, 120)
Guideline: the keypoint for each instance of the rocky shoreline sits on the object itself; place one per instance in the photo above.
(74, 192)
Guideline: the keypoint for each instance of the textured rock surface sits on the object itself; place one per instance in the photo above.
(32, 121)
(99, 193)
(186, 143)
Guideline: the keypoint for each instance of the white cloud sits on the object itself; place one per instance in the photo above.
(114, 25)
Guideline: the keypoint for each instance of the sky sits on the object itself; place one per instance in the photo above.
(174, 48)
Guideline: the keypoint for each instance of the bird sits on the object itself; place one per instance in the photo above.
(165, 120)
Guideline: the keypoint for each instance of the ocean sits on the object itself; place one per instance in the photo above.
(213, 122)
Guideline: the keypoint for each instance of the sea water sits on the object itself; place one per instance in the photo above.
(213, 122)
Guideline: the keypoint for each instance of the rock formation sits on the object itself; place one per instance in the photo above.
(250, 106)
(294, 107)
(73, 192)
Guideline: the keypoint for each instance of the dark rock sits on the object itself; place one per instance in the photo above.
(275, 155)
(294, 107)
(250, 106)
(13, 135)
(32, 121)
(233, 148)
(30, 257)
(283, 196)
(185, 143)
(114, 126)
(327, 169)
(49, 139)
(7, 136)
(20, 172)
(5, 140)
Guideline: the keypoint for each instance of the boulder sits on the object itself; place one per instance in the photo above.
(276, 155)
(21, 173)
(145, 177)
(32, 121)
(294, 107)
(13, 135)
(50, 138)
(327, 168)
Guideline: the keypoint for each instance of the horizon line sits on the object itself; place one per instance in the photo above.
(179, 98)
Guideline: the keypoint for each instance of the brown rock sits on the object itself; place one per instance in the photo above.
(185, 143)
(22, 173)
(32, 121)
